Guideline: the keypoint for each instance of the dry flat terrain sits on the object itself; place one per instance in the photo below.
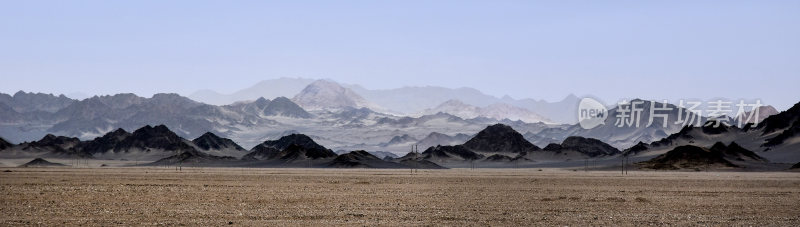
(220, 196)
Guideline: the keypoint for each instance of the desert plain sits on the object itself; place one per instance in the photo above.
(454, 197)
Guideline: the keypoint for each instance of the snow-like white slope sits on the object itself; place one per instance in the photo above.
(495, 111)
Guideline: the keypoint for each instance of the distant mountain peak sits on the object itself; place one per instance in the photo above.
(267, 89)
(571, 96)
(763, 113)
(405, 138)
(25, 102)
(262, 100)
(325, 94)
(282, 106)
(435, 138)
(22, 93)
(210, 135)
(166, 95)
(281, 99)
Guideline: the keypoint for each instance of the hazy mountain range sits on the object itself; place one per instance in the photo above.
(400, 101)
(771, 144)
(496, 145)
(414, 100)
(324, 94)
(160, 146)
(281, 87)
(331, 114)
(494, 111)
(776, 138)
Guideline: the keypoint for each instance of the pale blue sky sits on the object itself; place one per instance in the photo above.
(536, 49)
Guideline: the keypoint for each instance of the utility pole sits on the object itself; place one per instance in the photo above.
(416, 154)
(586, 166)
(178, 167)
(411, 167)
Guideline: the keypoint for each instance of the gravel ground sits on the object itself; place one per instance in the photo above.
(227, 196)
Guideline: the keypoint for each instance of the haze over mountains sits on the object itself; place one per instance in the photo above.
(402, 101)
(772, 144)
(317, 109)
(324, 94)
(281, 87)
(622, 135)
(495, 111)
(337, 117)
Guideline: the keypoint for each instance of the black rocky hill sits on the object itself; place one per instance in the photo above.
(500, 138)
(449, 152)
(289, 147)
(210, 141)
(39, 162)
(362, 159)
(694, 157)
(587, 146)
(5, 144)
(158, 137)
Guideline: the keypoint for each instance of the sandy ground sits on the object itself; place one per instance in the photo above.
(222, 196)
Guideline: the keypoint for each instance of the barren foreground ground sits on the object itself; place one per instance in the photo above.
(218, 196)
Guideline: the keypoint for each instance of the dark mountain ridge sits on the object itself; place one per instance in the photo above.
(282, 106)
(94, 115)
(57, 145)
(694, 157)
(148, 137)
(775, 138)
(362, 159)
(105, 143)
(25, 102)
(587, 146)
